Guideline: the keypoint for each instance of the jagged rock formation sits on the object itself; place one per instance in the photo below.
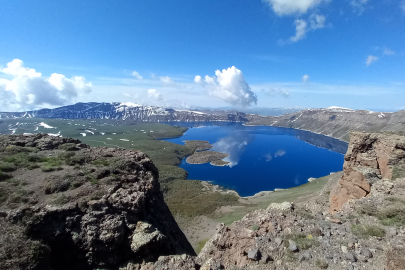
(129, 111)
(336, 122)
(97, 207)
(369, 158)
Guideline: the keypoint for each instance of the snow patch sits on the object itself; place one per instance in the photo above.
(42, 124)
(84, 134)
(125, 140)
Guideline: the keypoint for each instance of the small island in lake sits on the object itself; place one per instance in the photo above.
(202, 156)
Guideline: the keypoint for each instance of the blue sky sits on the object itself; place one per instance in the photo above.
(270, 53)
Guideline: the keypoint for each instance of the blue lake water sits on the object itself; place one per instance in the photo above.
(262, 158)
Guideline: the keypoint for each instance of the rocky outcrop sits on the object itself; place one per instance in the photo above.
(370, 158)
(92, 215)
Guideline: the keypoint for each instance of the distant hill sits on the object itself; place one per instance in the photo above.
(336, 121)
(129, 111)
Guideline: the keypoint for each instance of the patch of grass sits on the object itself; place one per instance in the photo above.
(7, 167)
(101, 162)
(62, 199)
(97, 195)
(20, 149)
(398, 172)
(169, 173)
(367, 209)
(185, 197)
(200, 246)
(255, 227)
(55, 184)
(321, 264)
(366, 231)
(303, 241)
(301, 212)
(392, 215)
(51, 168)
(66, 155)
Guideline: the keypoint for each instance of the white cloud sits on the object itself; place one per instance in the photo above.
(305, 78)
(287, 7)
(317, 21)
(197, 79)
(371, 59)
(300, 28)
(358, 5)
(137, 76)
(153, 93)
(387, 51)
(166, 80)
(28, 89)
(230, 86)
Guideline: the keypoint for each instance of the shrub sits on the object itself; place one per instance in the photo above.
(20, 149)
(4, 176)
(55, 184)
(66, 155)
(367, 209)
(62, 199)
(321, 264)
(303, 241)
(51, 168)
(365, 231)
(7, 167)
(392, 215)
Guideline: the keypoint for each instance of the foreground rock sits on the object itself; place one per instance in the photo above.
(100, 207)
(369, 159)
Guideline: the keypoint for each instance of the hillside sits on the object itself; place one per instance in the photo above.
(336, 122)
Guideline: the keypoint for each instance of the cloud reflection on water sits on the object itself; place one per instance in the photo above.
(234, 145)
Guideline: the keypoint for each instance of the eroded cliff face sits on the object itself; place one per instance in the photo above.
(100, 207)
(371, 157)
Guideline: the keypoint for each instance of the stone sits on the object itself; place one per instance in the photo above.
(254, 254)
(350, 257)
(344, 249)
(278, 241)
(366, 253)
(335, 220)
(293, 246)
(392, 231)
(265, 258)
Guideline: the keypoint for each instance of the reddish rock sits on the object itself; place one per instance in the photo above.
(369, 158)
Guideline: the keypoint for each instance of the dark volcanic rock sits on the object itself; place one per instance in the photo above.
(128, 222)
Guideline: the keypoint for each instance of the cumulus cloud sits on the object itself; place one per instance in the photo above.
(29, 89)
(287, 7)
(230, 86)
(300, 30)
(166, 80)
(371, 59)
(274, 91)
(153, 93)
(137, 76)
(317, 21)
(305, 78)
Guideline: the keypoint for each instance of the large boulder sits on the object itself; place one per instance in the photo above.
(371, 157)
